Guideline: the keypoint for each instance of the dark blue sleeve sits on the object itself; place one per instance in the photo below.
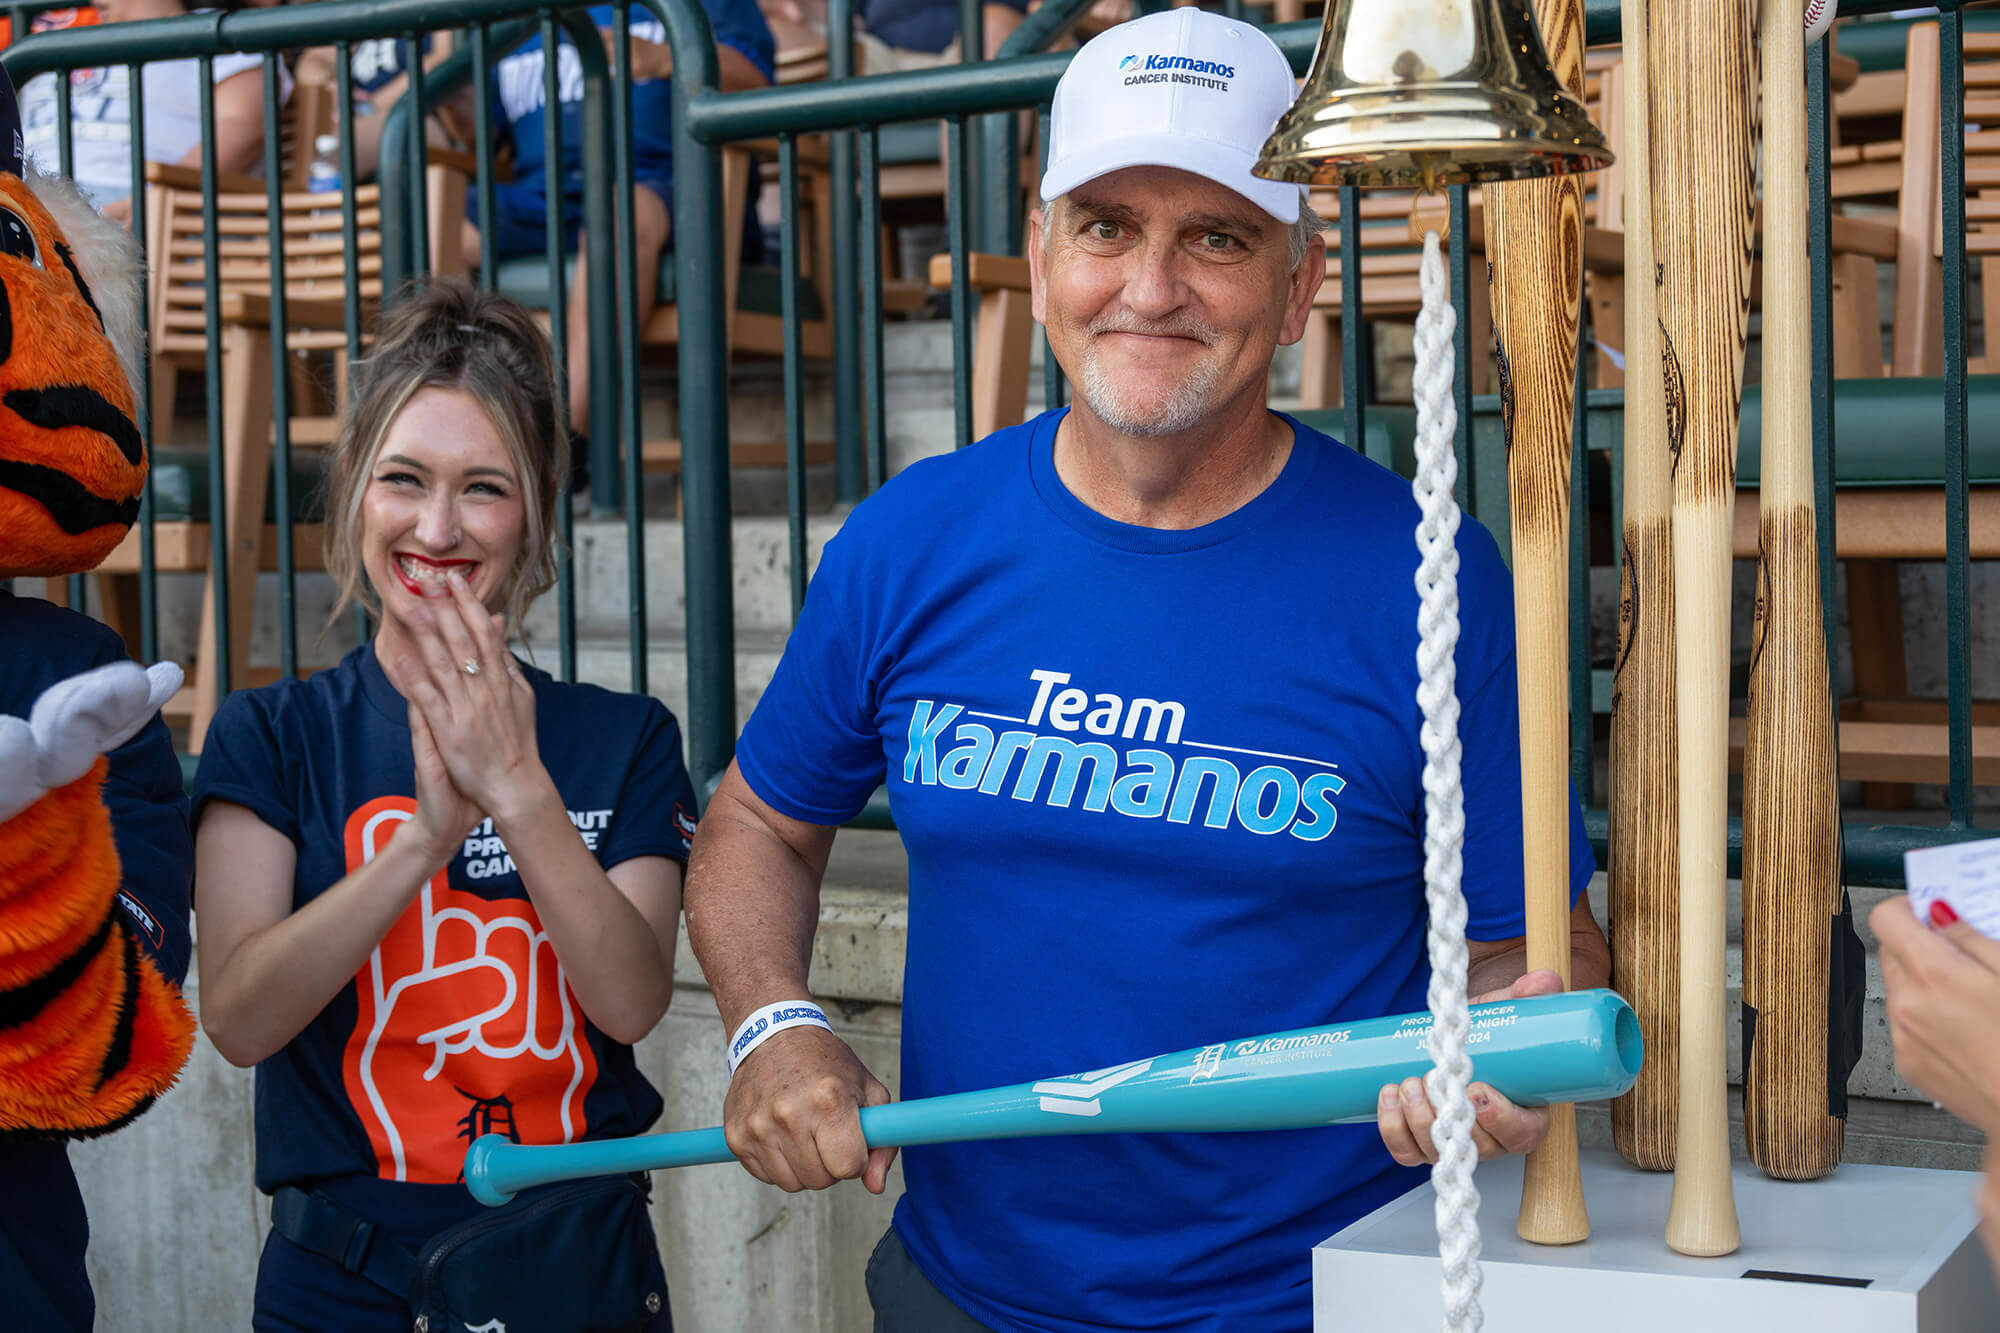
(149, 822)
(811, 749)
(149, 825)
(142, 788)
(241, 763)
(1489, 729)
(656, 807)
(740, 24)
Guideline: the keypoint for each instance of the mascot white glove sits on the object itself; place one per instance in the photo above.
(73, 722)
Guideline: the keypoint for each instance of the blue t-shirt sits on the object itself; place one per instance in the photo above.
(1159, 789)
(917, 25)
(42, 1227)
(518, 92)
(461, 1022)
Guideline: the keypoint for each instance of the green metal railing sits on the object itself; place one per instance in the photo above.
(853, 111)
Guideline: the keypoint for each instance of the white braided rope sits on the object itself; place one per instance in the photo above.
(1444, 799)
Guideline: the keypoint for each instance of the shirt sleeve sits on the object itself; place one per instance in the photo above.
(740, 24)
(241, 763)
(811, 750)
(148, 804)
(656, 810)
(149, 824)
(1489, 728)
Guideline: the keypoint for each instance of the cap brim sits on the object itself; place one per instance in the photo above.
(1226, 166)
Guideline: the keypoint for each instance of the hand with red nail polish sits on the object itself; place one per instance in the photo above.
(1943, 985)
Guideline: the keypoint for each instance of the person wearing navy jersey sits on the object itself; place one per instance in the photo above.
(438, 890)
(1140, 678)
(746, 57)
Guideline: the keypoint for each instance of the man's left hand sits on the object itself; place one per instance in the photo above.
(1404, 1116)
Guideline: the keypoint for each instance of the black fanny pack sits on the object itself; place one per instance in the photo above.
(572, 1258)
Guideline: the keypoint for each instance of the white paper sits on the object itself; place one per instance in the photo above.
(1965, 875)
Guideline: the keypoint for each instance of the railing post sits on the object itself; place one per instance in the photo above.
(850, 469)
(704, 394)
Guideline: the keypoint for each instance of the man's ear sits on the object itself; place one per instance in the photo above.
(1038, 261)
(1303, 286)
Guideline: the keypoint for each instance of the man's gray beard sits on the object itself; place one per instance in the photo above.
(1122, 410)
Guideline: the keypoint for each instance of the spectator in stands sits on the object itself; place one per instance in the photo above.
(919, 34)
(100, 111)
(747, 56)
(379, 79)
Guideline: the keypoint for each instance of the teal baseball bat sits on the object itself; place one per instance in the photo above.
(1577, 1047)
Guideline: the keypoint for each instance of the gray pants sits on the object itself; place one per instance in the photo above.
(905, 1300)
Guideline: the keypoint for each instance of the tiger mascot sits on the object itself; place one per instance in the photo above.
(95, 853)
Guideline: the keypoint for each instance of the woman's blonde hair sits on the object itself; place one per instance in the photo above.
(446, 334)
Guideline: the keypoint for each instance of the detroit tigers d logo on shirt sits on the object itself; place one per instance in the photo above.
(464, 1024)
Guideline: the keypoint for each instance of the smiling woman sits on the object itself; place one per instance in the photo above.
(439, 890)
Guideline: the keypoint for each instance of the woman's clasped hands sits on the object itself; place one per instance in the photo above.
(472, 719)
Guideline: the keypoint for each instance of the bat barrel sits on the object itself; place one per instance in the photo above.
(1581, 1046)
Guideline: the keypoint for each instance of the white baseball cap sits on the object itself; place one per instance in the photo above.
(1181, 88)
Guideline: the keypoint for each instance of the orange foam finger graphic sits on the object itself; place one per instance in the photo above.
(464, 1024)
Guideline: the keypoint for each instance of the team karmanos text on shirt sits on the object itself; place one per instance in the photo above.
(1287, 793)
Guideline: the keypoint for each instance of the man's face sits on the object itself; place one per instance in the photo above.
(1165, 294)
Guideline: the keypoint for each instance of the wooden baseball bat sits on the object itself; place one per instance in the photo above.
(1535, 249)
(1580, 1046)
(1645, 854)
(1704, 77)
(1791, 805)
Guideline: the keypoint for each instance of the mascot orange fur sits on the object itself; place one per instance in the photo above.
(95, 854)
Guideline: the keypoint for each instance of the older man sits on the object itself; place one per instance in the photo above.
(1141, 680)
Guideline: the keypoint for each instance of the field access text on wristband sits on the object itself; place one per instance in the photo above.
(767, 1022)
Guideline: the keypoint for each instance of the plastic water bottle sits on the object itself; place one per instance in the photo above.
(323, 177)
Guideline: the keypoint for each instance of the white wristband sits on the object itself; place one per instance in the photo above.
(768, 1022)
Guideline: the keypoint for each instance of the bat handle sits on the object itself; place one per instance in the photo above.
(497, 1169)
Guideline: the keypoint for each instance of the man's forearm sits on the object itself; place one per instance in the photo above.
(752, 904)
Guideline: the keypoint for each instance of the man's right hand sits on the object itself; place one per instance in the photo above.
(793, 1117)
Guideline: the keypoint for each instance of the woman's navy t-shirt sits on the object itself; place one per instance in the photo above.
(461, 1023)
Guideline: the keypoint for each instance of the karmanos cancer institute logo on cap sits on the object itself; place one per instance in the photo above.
(1176, 69)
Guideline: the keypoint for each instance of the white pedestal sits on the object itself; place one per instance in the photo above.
(1870, 1249)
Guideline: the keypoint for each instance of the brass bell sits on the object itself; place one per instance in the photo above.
(1450, 92)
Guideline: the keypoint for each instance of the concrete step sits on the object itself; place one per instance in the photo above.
(607, 661)
(760, 565)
